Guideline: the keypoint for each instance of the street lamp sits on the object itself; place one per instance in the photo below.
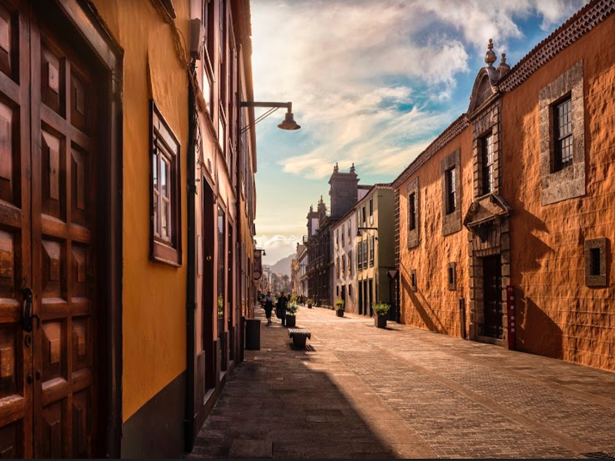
(289, 119)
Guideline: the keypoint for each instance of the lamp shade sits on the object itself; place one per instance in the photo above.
(289, 122)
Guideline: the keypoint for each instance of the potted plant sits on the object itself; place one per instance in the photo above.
(339, 307)
(380, 314)
(291, 314)
(309, 303)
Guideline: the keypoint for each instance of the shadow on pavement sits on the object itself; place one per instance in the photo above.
(281, 403)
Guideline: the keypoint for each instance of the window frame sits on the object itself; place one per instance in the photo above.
(590, 246)
(567, 183)
(412, 211)
(451, 276)
(372, 246)
(207, 20)
(350, 263)
(558, 158)
(451, 190)
(361, 253)
(164, 250)
(413, 232)
(451, 222)
(487, 185)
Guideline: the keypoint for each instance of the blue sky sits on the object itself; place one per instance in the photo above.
(372, 82)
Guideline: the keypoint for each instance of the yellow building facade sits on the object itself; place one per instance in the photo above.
(125, 221)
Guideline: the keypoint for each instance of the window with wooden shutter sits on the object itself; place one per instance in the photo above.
(165, 198)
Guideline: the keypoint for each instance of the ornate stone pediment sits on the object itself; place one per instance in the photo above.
(485, 86)
(486, 209)
(486, 83)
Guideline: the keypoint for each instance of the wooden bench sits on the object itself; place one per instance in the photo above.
(299, 336)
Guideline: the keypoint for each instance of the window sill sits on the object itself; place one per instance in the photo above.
(165, 254)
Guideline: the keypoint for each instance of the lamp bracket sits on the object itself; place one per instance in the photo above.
(288, 105)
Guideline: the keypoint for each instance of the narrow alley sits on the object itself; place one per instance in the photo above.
(401, 392)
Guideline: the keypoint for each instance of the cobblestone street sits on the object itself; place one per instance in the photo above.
(361, 392)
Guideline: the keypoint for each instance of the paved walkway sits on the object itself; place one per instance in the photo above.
(362, 392)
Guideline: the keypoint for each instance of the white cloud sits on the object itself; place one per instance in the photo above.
(479, 21)
(395, 139)
(333, 59)
(372, 83)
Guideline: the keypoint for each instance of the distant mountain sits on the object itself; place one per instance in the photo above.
(282, 267)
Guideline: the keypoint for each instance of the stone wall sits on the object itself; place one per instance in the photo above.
(433, 306)
(558, 315)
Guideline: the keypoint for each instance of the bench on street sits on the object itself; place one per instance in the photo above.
(299, 336)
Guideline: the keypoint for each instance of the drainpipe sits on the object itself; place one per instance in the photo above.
(238, 314)
(191, 280)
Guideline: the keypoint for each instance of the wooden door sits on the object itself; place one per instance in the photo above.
(492, 299)
(47, 201)
(15, 233)
(63, 209)
(209, 236)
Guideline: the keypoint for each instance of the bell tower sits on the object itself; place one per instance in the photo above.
(344, 191)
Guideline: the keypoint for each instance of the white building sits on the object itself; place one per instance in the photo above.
(302, 262)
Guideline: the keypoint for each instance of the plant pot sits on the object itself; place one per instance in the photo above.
(340, 312)
(380, 321)
(309, 305)
(291, 320)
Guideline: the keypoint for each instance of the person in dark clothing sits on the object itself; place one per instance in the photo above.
(281, 308)
(268, 306)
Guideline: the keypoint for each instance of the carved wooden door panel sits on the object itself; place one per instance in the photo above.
(63, 128)
(47, 335)
(15, 257)
(492, 297)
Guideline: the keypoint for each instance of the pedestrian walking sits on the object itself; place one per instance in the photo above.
(268, 307)
(281, 308)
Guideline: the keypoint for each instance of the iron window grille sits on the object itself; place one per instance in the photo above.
(563, 134)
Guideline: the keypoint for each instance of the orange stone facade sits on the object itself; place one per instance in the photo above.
(510, 245)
